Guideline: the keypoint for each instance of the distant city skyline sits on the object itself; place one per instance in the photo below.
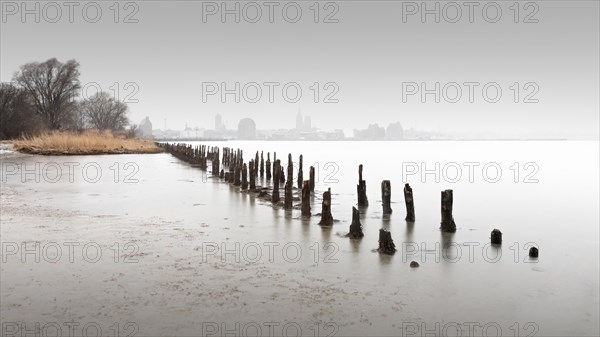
(370, 65)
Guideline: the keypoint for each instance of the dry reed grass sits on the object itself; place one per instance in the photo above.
(87, 142)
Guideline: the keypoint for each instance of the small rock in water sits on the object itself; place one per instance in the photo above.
(533, 252)
(496, 236)
(414, 264)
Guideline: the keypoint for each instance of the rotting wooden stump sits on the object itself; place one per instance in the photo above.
(410, 204)
(300, 175)
(237, 175)
(252, 171)
(290, 172)
(447, 224)
(275, 169)
(496, 237)
(386, 244)
(311, 177)
(262, 165)
(356, 231)
(533, 252)
(361, 188)
(306, 198)
(275, 194)
(268, 166)
(326, 217)
(215, 164)
(281, 174)
(288, 202)
(222, 174)
(386, 196)
(256, 166)
(244, 177)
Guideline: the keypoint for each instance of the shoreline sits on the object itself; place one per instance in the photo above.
(50, 152)
(84, 143)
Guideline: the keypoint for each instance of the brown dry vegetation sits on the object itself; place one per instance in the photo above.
(88, 142)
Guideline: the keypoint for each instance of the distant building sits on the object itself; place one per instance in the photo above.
(374, 131)
(145, 129)
(307, 123)
(219, 123)
(394, 131)
(303, 124)
(247, 129)
(189, 133)
(299, 123)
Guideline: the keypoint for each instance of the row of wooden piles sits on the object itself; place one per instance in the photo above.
(244, 175)
(230, 166)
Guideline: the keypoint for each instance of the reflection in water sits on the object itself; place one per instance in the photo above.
(385, 259)
(355, 245)
(305, 227)
(326, 233)
(408, 235)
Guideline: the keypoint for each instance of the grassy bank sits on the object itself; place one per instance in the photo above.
(89, 142)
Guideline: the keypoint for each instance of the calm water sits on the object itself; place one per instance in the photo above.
(175, 216)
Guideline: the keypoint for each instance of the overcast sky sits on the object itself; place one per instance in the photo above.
(173, 52)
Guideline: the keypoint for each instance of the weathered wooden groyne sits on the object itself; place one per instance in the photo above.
(227, 164)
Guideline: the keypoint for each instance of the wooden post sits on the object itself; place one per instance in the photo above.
(386, 196)
(326, 217)
(256, 166)
(275, 160)
(237, 173)
(244, 177)
(262, 165)
(386, 244)
(215, 164)
(356, 231)
(252, 171)
(409, 201)
(275, 195)
(288, 196)
(306, 198)
(447, 223)
(496, 237)
(311, 176)
(300, 175)
(268, 166)
(361, 188)
(222, 174)
(290, 172)
(533, 252)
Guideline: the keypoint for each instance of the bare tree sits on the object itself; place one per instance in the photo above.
(17, 115)
(53, 87)
(103, 112)
(133, 131)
